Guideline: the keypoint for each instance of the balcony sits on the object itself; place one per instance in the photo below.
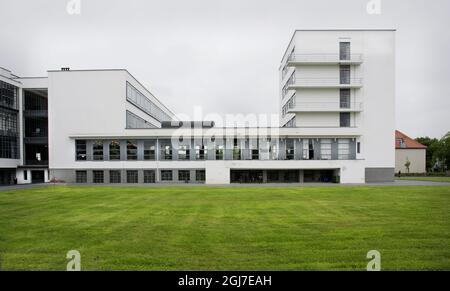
(36, 113)
(299, 83)
(43, 163)
(323, 59)
(315, 106)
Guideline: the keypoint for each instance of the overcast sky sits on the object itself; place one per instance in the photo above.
(224, 55)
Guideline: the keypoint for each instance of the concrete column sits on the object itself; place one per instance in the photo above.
(123, 150)
(264, 176)
(302, 176)
(89, 150)
(106, 150)
(140, 150)
(140, 176)
(106, 176)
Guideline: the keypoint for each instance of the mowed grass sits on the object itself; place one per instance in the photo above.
(226, 228)
(427, 179)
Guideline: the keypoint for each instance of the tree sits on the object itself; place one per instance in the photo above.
(442, 153)
(438, 152)
(432, 145)
(407, 164)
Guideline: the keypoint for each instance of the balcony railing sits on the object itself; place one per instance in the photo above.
(326, 83)
(35, 113)
(36, 163)
(318, 106)
(324, 59)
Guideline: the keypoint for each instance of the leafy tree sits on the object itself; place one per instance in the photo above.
(433, 145)
(438, 152)
(442, 153)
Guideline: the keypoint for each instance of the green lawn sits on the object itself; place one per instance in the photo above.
(226, 228)
(427, 179)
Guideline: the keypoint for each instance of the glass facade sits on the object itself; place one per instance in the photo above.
(233, 149)
(9, 122)
(143, 103)
(135, 122)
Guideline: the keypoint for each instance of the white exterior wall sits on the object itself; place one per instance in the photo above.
(91, 103)
(417, 157)
(374, 102)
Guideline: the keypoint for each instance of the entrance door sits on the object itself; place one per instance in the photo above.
(37, 177)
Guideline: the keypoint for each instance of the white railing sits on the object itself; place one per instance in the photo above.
(326, 106)
(326, 81)
(324, 58)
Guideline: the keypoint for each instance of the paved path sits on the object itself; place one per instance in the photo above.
(397, 183)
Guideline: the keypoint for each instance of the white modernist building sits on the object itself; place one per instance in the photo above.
(102, 126)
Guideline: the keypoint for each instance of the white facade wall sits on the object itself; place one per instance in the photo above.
(417, 157)
(373, 104)
(90, 103)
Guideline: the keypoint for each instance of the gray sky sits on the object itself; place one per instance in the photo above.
(224, 54)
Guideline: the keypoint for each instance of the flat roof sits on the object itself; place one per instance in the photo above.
(332, 29)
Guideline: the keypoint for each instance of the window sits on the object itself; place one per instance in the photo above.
(149, 176)
(114, 176)
(184, 175)
(345, 98)
(255, 154)
(273, 152)
(325, 149)
(167, 152)
(81, 176)
(98, 176)
(131, 150)
(80, 146)
(219, 152)
(144, 103)
(25, 175)
(358, 147)
(345, 119)
(97, 150)
(344, 51)
(114, 150)
(290, 149)
(149, 150)
(290, 81)
(291, 123)
(290, 104)
(236, 150)
(343, 149)
(183, 152)
(9, 130)
(308, 149)
(134, 121)
(132, 176)
(166, 175)
(345, 74)
(200, 175)
(9, 133)
(8, 95)
(200, 152)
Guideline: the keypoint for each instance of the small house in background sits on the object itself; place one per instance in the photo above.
(408, 149)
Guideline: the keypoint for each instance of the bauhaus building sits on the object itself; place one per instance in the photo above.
(337, 97)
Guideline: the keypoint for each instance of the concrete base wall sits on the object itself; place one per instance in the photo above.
(379, 175)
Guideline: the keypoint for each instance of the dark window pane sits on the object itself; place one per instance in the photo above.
(81, 176)
(115, 176)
